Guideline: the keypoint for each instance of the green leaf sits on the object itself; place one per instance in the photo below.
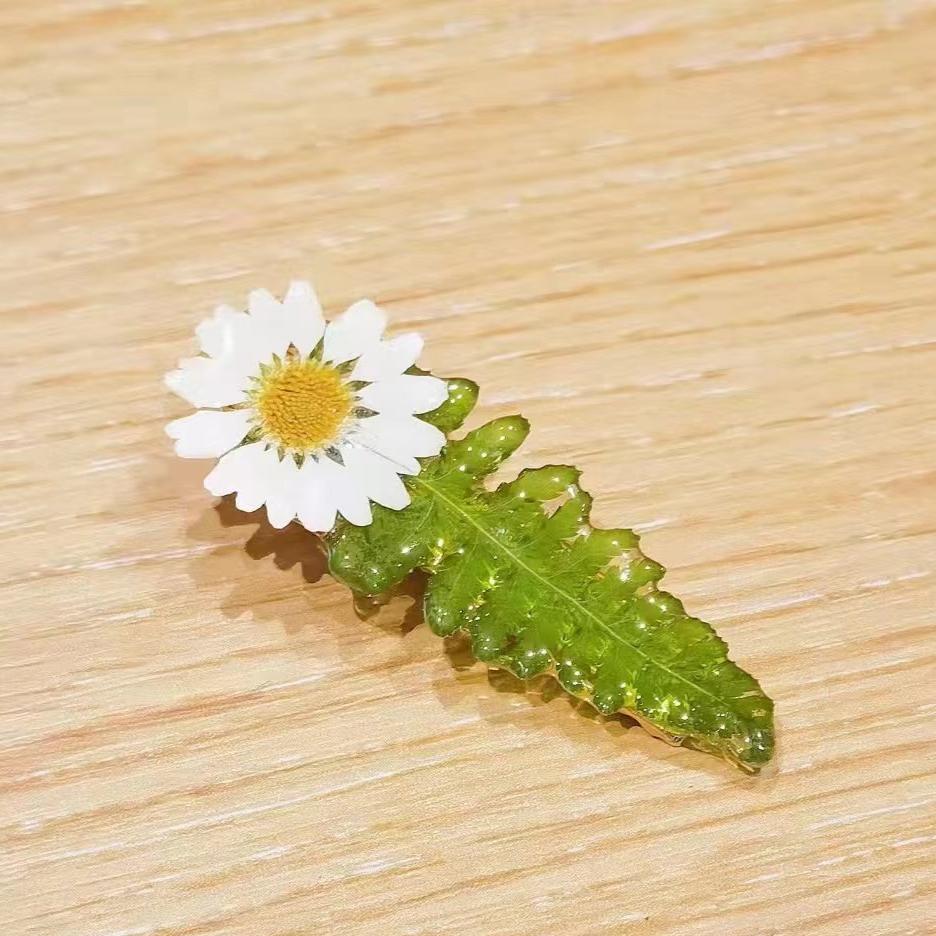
(538, 589)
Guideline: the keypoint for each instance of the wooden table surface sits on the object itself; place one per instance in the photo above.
(694, 242)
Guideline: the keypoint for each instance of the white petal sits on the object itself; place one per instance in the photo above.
(378, 434)
(237, 341)
(270, 324)
(306, 325)
(418, 437)
(256, 487)
(207, 382)
(317, 508)
(405, 394)
(400, 439)
(350, 498)
(217, 336)
(245, 470)
(282, 498)
(209, 433)
(376, 476)
(354, 332)
(388, 359)
(345, 492)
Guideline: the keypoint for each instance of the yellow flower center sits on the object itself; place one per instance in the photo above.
(302, 404)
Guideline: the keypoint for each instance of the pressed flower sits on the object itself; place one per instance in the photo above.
(311, 419)
(314, 420)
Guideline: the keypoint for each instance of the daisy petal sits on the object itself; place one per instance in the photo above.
(418, 437)
(217, 335)
(345, 493)
(376, 476)
(270, 324)
(354, 332)
(242, 470)
(257, 485)
(306, 325)
(352, 502)
(207, 382)
(262, 304)
(389, 358)
(377, 434)
(317, 510)
(400, 439)
(405, 394)
(281, 500)
(208, 433)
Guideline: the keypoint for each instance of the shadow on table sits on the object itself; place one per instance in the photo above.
(231, 565)
(289, 547)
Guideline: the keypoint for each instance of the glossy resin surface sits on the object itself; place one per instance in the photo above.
(539, 589)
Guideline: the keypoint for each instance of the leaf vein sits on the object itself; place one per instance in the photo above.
(610, 632)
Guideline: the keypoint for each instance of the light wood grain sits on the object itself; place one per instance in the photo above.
(692, 241)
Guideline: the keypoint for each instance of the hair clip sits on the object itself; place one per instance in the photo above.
(335, 426)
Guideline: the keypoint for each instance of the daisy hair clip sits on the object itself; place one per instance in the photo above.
(333, 425)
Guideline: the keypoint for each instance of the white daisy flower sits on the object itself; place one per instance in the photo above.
(311, 419)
